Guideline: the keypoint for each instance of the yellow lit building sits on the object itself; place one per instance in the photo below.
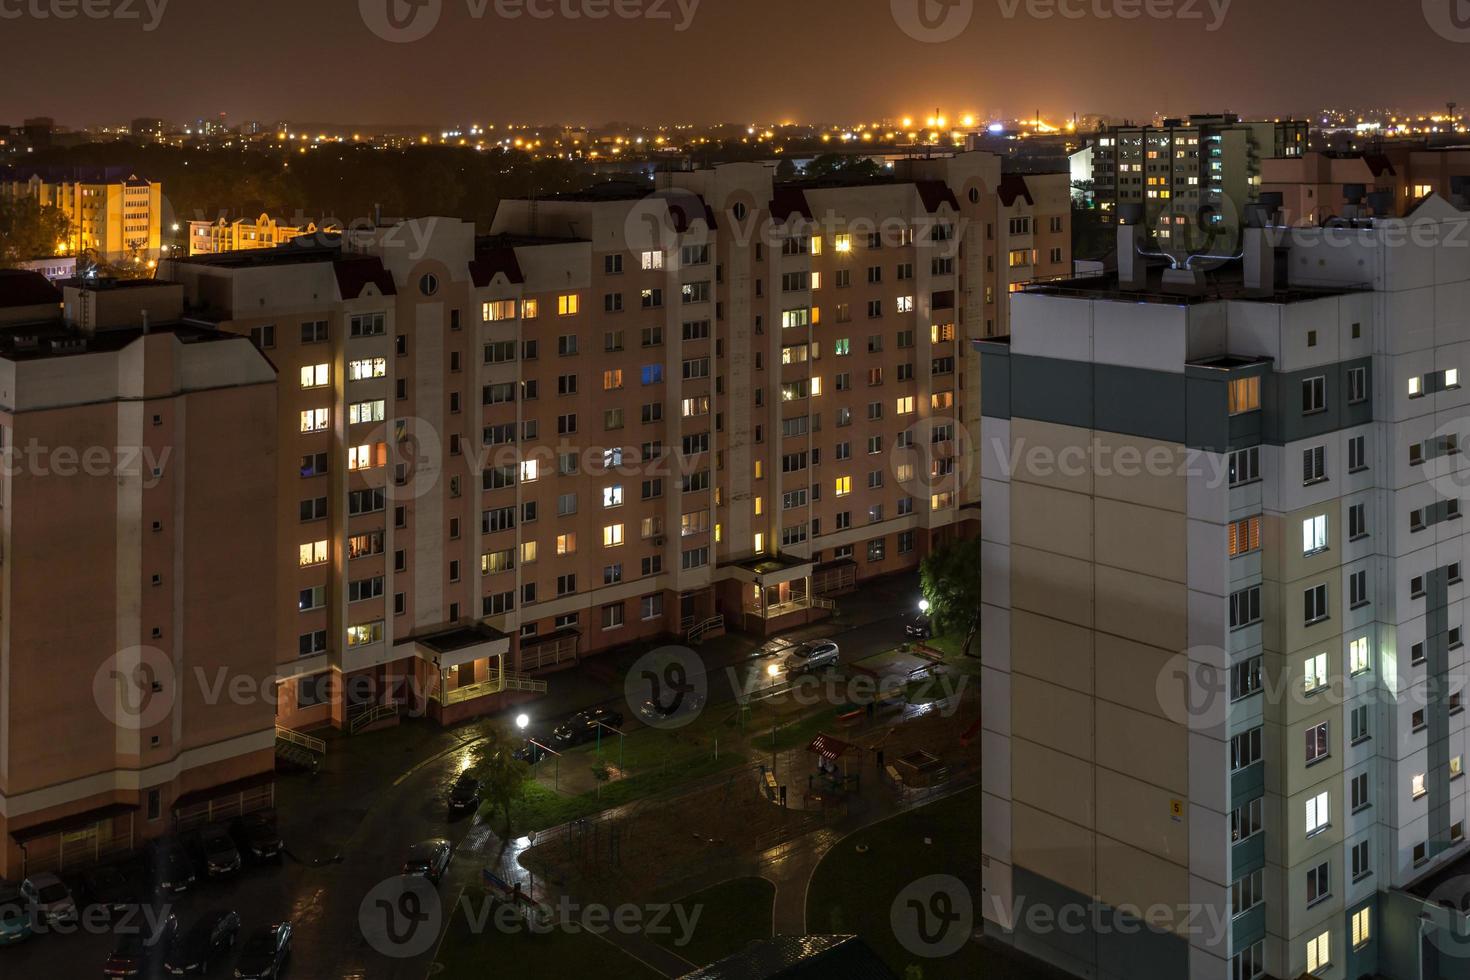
(117, 217)
(226, 235)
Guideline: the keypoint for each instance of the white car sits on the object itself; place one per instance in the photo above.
(813, 656)
(50, 897)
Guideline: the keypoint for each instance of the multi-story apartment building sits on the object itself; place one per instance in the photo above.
(1317, 187)
(115, 215)
(138, 501)
(1187, 177)
(239, 234)
(626, 413)
(1223, 603)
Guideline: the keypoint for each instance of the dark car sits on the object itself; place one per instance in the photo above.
(255, 834)
(206, 942)
(465, 794)
(140, 951)
(918, 628)
(169, 867)
(263, 956)
(15, 915)
(584, 726)
(531, 752)
(429, 859)
(213, 851)
(111, 888)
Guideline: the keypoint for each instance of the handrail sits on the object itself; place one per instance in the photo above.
(302, 739)
(374, 713)
(713, 623)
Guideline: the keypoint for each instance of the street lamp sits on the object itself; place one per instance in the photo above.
(923, 605)
(522, 720)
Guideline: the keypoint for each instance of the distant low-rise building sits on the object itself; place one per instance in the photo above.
(227, 234)
(113, 214)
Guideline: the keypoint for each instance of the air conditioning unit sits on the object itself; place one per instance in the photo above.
(658, 542)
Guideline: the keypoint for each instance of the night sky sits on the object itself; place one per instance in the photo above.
(738, 60)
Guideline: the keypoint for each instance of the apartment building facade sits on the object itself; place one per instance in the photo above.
(624, 414)
(1169, 177)
(238, 234)
(1223, 660)
(1388, 182)
(138, 496)
(117, 216)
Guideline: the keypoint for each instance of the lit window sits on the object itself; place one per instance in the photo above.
(365, 633)
(1417, 787)
(500, 309)
(566, 544)
(1315, 672)
(612, 496)
(528, 552)
(530, 309)
(568, 304)
(367, 457)
(844, 486)
(1244, 395)
(1416, 387)
(1362, 927)
(368, 367)
(1358, 655)
(530, 469)
(1319, 953)
(314, 553)
(1317, 813)
(316, 419)
(652, 260)
(316, 375)
(842, 243)
(612, 535)
(1452, 378)
(1314, 534)
(759, 543)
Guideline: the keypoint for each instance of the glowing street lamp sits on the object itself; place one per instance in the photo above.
(923, 605)
(522, 720)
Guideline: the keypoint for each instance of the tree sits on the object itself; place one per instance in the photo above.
(950, 579)
(30, 230)
(502, 779)
(839, 165)
(786, 170)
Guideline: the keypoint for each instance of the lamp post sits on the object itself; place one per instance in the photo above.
(924, 605)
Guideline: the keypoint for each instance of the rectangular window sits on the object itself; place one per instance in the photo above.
(1244, 395)
(1245, 607)
(1314, 465)
(1317, 743)
(1357, 385)
(1314, 604)
(1319, 953)
(1245, 466)
(1314, 534)
(1245, 536)
(1317, 814)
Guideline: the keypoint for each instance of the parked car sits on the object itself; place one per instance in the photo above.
(15, 916)
(169, 866)
(49, 897)
(255, 834)
(111, 888)
(140, 951)
(530, 752)
(814, 656)
(918, 628)
(429, 859)
(652, 712)
(206, 942)
(583, 726)
(263, 956)
(464, 794)
(214, 852)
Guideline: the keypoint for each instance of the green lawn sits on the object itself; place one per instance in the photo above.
(854, 892)
(468, 953)
(731, 914)
(541, 807)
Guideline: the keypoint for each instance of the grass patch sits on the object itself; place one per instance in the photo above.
(541, 807)
(467, 951)
(731, 914)
(853, 892)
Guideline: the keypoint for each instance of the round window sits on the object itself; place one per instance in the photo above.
(740, 212)
(974, 195)
(429, 285)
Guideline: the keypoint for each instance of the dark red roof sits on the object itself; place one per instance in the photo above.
(356, 272)
(488, 263)
(1379, 164)
(934, 193)
(22, 287)
(788, 201)
(1013, 186)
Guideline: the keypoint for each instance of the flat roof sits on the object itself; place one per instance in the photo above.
(1226, 283)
